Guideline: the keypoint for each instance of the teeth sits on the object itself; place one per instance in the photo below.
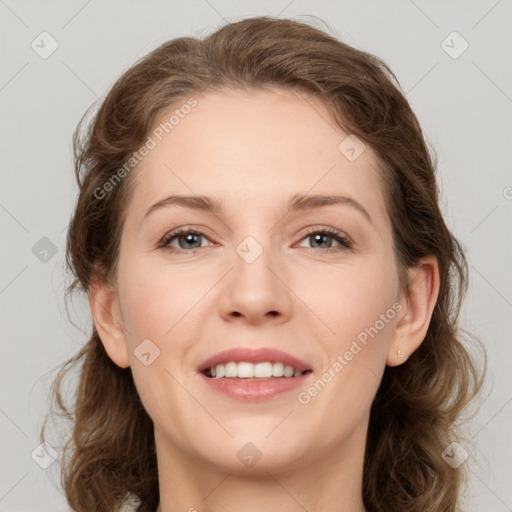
(261, 370)
(231, 369)
(245, 370)
(278, 369)
(288, 371)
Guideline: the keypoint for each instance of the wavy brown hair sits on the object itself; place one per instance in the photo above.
(110, 453)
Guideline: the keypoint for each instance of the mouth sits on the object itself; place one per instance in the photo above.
(254, 374)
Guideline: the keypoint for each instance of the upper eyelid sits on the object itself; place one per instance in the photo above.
(169, 235)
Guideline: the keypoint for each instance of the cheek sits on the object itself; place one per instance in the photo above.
(359, 305)
(156, 302)
(160, 303)
(363, 318)
(352, 300)
(157, 306)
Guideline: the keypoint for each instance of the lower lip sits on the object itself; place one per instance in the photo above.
(255, 390)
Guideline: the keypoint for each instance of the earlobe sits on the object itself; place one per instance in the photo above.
(104, 304)
(419, 302)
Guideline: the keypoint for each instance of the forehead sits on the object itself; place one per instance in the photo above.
(253, 147)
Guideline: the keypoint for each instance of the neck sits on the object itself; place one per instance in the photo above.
(330, 481)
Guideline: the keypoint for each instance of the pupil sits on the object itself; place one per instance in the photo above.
(319, 237)
(189, 239)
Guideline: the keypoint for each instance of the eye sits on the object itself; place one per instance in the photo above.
(324, 238)
(186, 239)
(189, 240)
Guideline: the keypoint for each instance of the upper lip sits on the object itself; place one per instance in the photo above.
(252, 355)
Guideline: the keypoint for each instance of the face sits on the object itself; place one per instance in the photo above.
(269, 268)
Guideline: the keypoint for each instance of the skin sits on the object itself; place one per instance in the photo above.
(253, 151)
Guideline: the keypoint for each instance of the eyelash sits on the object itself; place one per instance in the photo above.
(344, 241)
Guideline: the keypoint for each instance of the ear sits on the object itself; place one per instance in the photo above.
(419, 303)
(104, 304)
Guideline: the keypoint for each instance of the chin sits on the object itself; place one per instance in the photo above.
(250, 454)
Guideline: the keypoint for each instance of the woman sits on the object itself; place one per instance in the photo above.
(273, 287)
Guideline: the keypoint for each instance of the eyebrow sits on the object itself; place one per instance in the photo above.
(298, 202)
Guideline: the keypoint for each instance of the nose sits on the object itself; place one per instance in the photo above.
(256, 291)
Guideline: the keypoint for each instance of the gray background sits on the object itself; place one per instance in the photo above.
(463, 103)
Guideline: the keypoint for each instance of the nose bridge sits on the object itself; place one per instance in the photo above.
(254, 288)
